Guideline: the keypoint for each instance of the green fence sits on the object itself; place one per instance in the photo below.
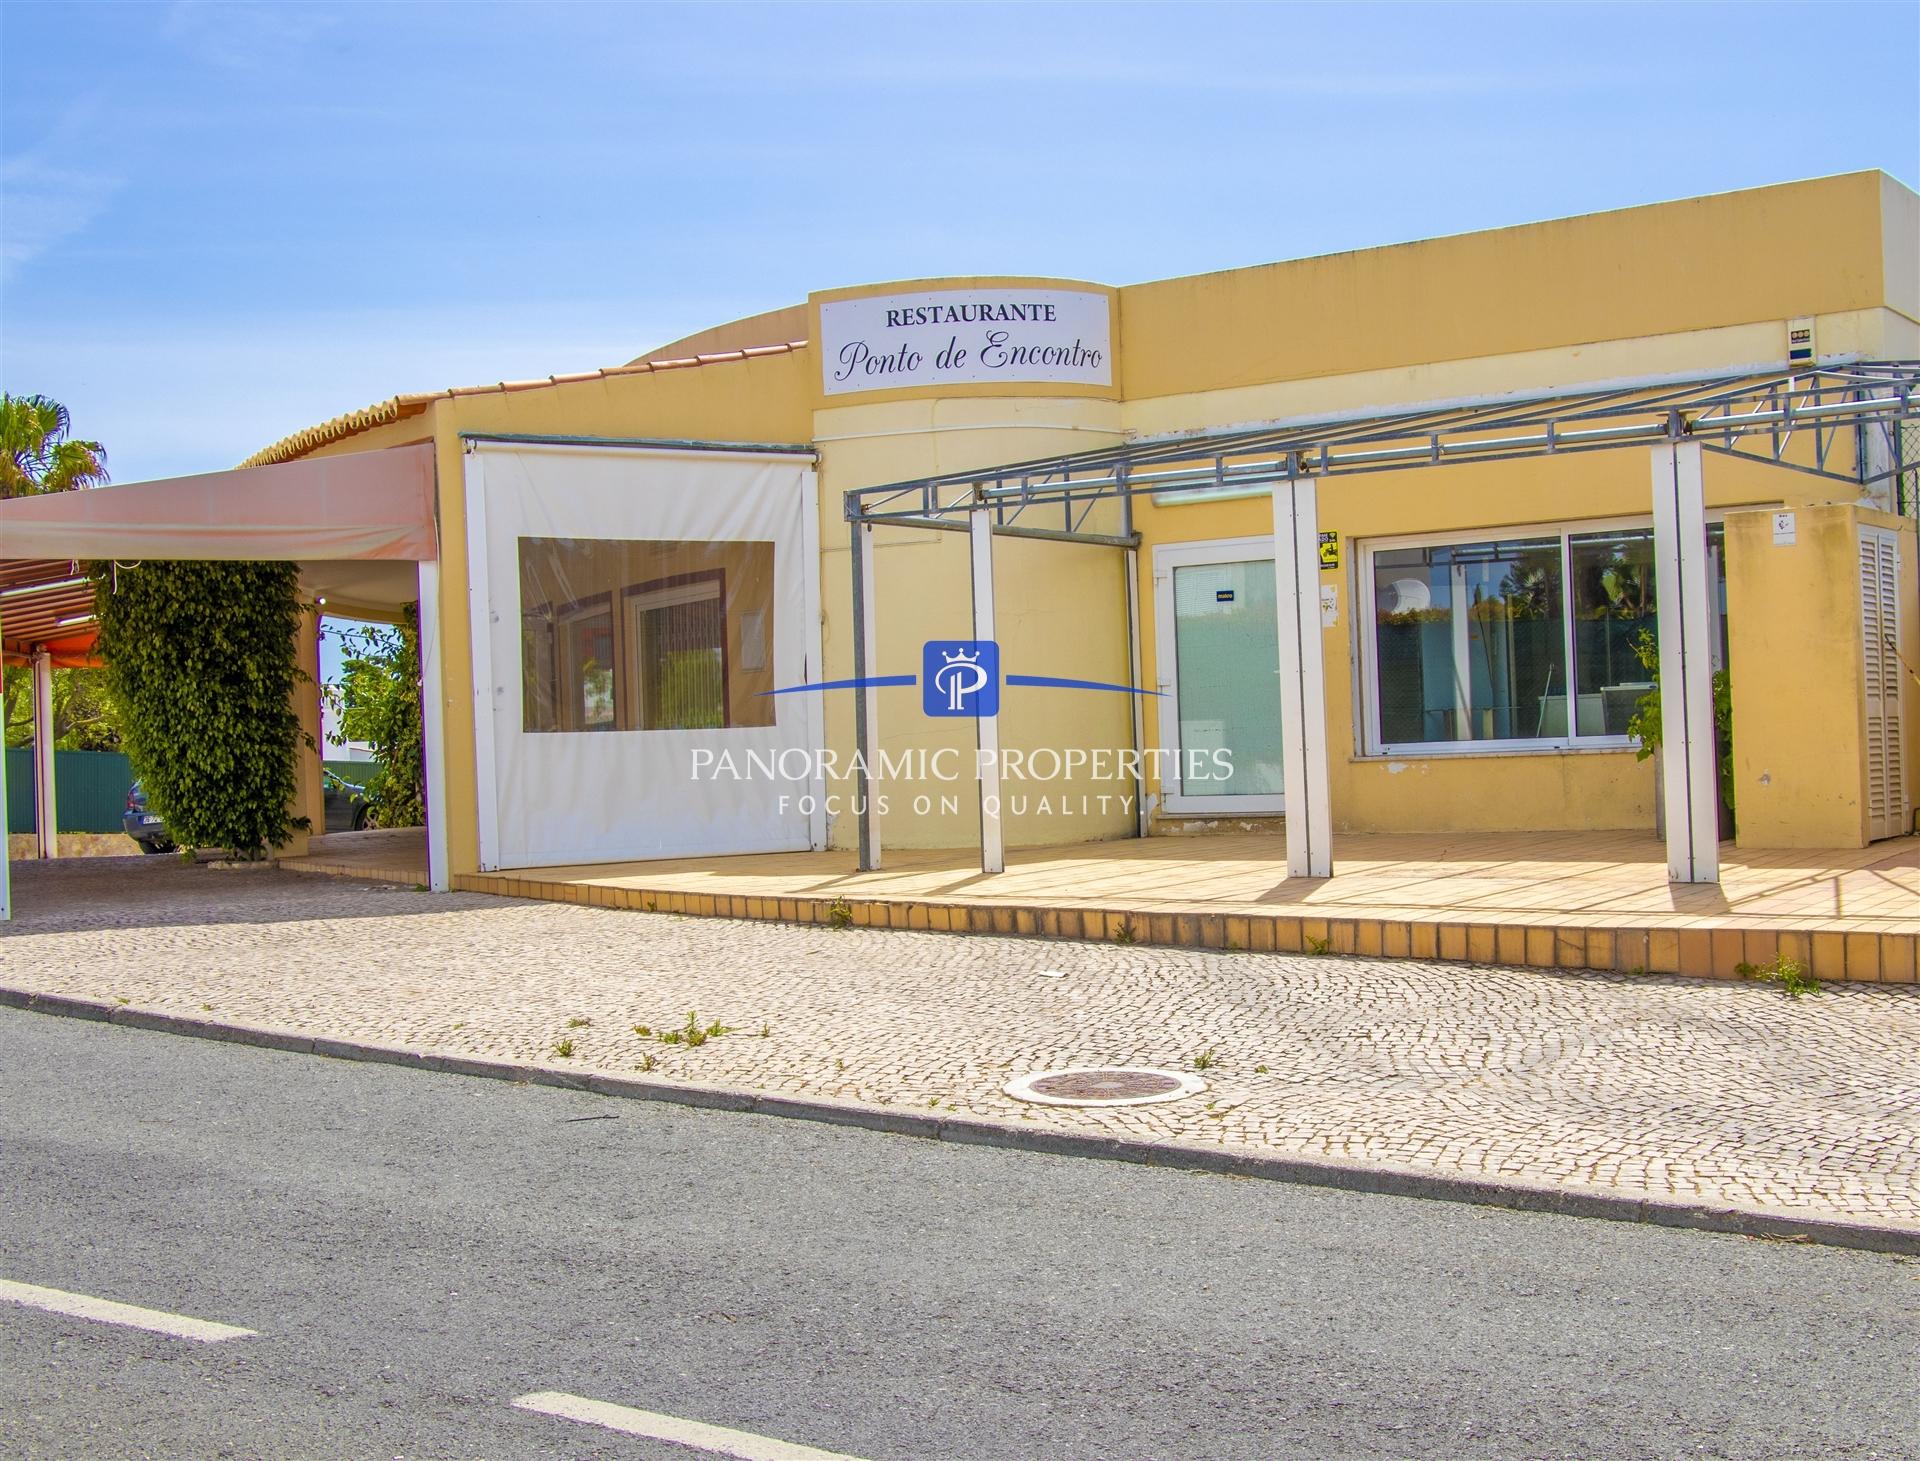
(355, 773)
(90, 786)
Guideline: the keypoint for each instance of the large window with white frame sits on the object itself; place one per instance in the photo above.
(1513, 640)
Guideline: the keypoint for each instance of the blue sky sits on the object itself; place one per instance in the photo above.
(223, 223)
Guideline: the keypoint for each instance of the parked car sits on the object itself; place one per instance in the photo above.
(346, 811)
(143, 826)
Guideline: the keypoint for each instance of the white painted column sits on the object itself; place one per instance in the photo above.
(866, 700)
(993, 855)
(1303, 688)
(433, 724)
(45, 793)
(1688, 764)
(486, 695)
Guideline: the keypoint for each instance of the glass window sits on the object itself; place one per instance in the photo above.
(1227, 657)
(1470, 642)
(1613, 606)
(1471, 639)
(627, 634)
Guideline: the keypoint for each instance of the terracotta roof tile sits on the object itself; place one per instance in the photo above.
(399, 408)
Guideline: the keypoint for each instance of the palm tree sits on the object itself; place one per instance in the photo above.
(37, 454)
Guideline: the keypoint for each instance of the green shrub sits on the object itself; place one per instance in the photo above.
(202, 665)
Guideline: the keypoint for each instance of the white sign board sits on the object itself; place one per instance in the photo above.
(965, 336)
(1784, 533)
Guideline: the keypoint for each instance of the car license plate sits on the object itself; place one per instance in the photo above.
(148, 821)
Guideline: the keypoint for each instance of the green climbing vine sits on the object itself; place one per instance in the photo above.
(201, 665)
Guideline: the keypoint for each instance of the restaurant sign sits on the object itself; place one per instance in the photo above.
(965, 336)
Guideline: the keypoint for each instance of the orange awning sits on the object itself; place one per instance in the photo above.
(46, 603)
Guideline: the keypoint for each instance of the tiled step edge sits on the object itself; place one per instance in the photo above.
(1874, 958)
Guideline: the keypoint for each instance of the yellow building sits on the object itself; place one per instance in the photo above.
(1454, 436)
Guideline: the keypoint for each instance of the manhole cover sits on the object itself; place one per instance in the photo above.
(1096, 1085)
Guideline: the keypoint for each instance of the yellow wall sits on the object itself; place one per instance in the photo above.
(309, 799)
(762, 400)
(1541, 790)
(1689, 287)
(1799, 709)
(1803, 603)
(1061, 610)
(1735, 258)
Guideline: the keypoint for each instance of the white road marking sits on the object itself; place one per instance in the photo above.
(718, 1440)
(106, 1311)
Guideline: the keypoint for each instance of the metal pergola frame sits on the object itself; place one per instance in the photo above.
(1753, 415)
(1839, 420)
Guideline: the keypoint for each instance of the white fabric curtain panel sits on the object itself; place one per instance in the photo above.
(639, 606)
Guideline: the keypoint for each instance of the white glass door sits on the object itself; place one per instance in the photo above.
(1219, 671)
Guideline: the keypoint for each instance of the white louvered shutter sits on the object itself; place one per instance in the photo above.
(1888, 813)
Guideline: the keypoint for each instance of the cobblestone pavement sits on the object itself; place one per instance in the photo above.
(1701, 1091)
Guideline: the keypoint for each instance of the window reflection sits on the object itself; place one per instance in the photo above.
(624, 634)
(1471, 641)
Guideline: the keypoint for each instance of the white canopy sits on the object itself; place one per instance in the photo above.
(372, 504)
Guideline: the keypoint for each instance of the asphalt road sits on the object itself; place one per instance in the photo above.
(416, 1250)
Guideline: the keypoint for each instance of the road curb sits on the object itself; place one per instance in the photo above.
(1370, 1177)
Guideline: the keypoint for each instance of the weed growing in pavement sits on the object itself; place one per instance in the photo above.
(1637, 971)
(419, 887)
(645, 1032)
(121, 999)
(647, 1062)
(563, 1047)
(1206, 1059)
(766, 1029)
(578, 1022)
(840, 913)
(1318, 945)
(1790, 974)
(1125, 934)
(693, 1034)
(1259, 1070)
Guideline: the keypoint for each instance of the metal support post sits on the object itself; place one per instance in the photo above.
(1303, 690)
(866, 700)
(993, 856)
(1688, 762)
(1131, 567)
